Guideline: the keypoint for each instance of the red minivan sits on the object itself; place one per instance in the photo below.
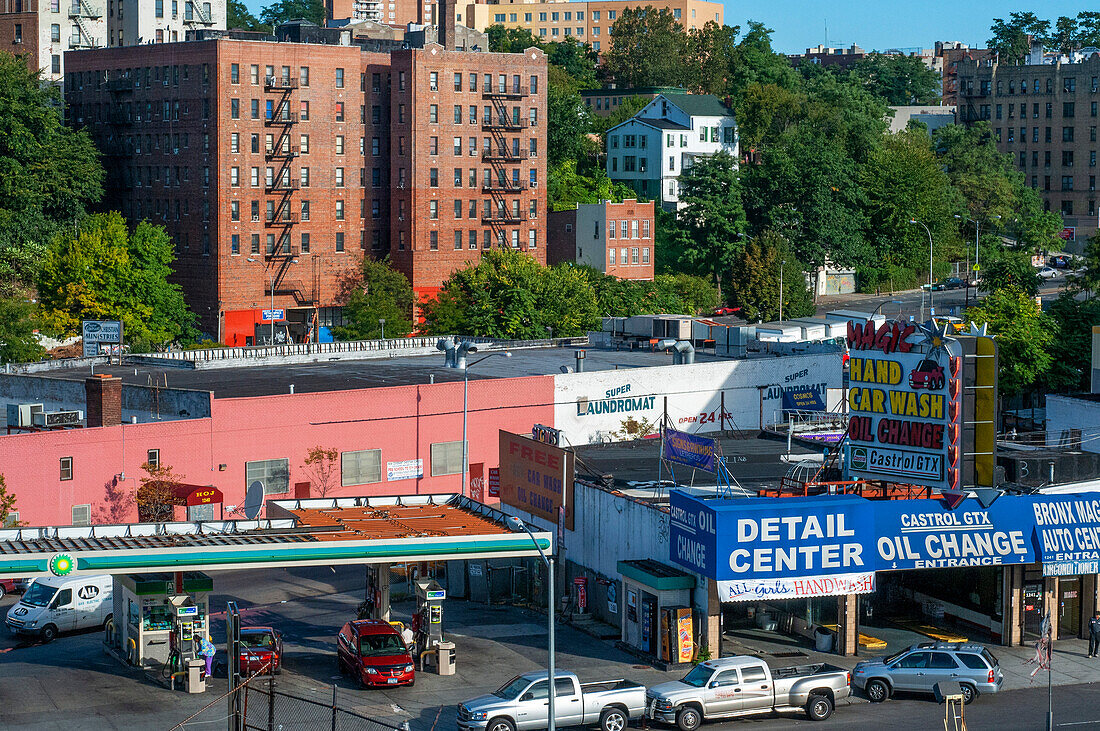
(373, 652)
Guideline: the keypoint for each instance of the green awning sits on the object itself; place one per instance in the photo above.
(656, 575)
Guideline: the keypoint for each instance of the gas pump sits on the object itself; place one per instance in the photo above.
(188, 631)
(427, 625)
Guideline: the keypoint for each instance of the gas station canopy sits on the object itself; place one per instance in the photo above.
(313, 532)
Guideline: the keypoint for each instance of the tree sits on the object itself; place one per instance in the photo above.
(1071, 351)
(648, 48)
(1024, 337)
(380, 293)
(510, 295)
(7, 505)
(511, 40)
(566, 119)
(49, 172)
(238, 17)
(103, 271)
(900, 80)
(18, 343)
(627, 108)
(754, 281)
(576, 59)
(711, 219)
(985, 178)
(156, 493)
(1010, 38)
(284, 11)
(1010, 271)
(567, 187)
(323, 467)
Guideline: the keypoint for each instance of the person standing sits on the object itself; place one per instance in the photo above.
(208, 651)
(1094, 634)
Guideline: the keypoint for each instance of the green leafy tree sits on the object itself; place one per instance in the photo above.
(677, 293)
(630, 106)
(1088, 29)
(649, 47)
(711, 220)
(576, 59)
(49, 173)
(567, 187)
(1009, 38)
(566, 119)
(378, 293)
(1065, 35)
(1010, 271)
(1088, 280)
(1071, 350)
(510, 295)
(756, 62)
(511, 40)
(18, 343)
(754, 281)
(238, 16)
(713, 50)
(103, 271)
(900, 80)
(1024, 336)
(284, 11)
(7, 505)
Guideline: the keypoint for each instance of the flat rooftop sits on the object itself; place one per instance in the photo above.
(341, 375)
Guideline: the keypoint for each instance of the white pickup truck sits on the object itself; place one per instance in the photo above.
(741, 686)
(523, 703)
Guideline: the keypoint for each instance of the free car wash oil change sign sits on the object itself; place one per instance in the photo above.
(905, 400)
(760, 548)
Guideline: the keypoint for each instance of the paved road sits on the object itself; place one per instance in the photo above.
(71, 683)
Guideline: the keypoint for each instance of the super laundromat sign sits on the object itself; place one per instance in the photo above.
(768, 538)
(905, 398)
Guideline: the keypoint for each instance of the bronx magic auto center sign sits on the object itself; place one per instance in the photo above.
(758, 548)
(905, 400)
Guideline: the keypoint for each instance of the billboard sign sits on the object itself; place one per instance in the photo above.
(748, 541)
(808, 399)
(905, 397)
(536, 478)
(746, 590)
(690, 450)
(270, 315)
(100, 335)
(406, 469)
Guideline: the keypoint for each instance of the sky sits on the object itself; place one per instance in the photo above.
(882, 24)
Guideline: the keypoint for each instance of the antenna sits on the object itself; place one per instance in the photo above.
(826, 32)
(253, 500)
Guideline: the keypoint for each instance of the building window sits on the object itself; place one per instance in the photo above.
(273, 474)
(433, 241)
(446, 458)
(433, 114)
(645, 255)
(360, 468)
(433, 177)
(611, 257)
(339, 177)
(235, 210)
(66, 468)
(339, 111)
(82, 515)
(339, 210)
(235, 244)
(339, 242)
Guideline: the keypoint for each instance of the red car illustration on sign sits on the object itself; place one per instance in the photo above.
(928, 374)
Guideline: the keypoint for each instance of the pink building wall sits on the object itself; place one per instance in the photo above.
(401, 421)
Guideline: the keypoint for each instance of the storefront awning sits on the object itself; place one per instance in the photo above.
(656, 575)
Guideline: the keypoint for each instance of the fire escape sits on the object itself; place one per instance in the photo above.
(496, 212)
(194, 14)
(279, 188)
(80, 12)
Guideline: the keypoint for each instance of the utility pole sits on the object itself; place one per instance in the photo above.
(782, 263)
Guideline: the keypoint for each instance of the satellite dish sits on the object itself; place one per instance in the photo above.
(253, 500)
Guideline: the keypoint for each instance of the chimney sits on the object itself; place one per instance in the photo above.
(445, 22)
(103, 400)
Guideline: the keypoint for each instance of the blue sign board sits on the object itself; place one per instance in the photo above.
(803, 399)
(269, 315)
(689, 449)
(769, 538)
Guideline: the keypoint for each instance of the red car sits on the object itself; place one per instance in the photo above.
(928, 374)
(374, 654)
(726, 311)
(12, 586)
(261, 651)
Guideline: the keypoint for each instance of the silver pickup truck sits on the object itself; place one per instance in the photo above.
(522, 703)
(741, 686)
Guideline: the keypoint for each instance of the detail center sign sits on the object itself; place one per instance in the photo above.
(905, 397)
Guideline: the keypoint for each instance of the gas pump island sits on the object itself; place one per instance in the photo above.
(427, 625)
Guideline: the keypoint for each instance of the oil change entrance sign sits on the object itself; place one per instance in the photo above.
(766, 539)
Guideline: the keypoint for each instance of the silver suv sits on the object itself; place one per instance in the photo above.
(918, 669)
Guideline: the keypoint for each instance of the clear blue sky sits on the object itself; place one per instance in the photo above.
(881, 24)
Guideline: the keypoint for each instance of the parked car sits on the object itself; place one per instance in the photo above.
(261, 650)
(918, 669)
(726, 311)
(521, 703)
(13, 586)
(1048, 273)
(741, 686)
(55, 604)
(928, 374)
(373, 652)
(949, 283)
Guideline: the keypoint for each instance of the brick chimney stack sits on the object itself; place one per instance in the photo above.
(446, 24)
(103, 400)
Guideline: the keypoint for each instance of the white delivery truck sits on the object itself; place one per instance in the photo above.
(52, 605)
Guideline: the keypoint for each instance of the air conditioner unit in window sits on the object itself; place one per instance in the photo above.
(535, 184)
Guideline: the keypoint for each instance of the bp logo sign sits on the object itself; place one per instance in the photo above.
(859, 458)
(61, 564)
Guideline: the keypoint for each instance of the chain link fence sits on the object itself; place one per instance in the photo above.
(266, 709)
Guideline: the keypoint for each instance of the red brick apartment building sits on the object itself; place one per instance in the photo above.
(275, 166)
(615, 238)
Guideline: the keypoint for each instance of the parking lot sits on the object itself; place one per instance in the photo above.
(73, 683)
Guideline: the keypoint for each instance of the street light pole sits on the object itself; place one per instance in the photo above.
(782, 263)
(465, 405)
(271, 290)
(517, 525)
(382, 324)
(931, 295)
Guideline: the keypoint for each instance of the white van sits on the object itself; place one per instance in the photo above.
(52, 605)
